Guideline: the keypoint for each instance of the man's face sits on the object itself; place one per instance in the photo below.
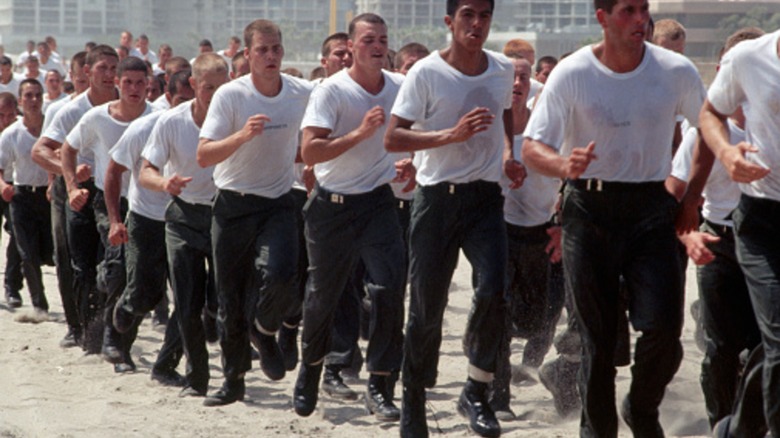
(626, 25)
(407, 62)
(522, 84)
(369, 45)
(234, 46)
(338, 58)
(471, 23)
(126, 39)
(544, 73)
(7, 116)
(132, 86)
(79, 77)
(103, 73)
(153, 90)
(205, 48)
(44, 51)
(53, 83)
(32, 67)
(165, 55)
(31, 98)
(265, 54)
(143, 44)
(207, 85)
(6, 72)
(183, 94)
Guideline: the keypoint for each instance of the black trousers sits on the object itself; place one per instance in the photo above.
(445, 219)
(626, 229)
(31, 221)
(340, 230)
(255, 246)
(188, 243)
(64, 269)
(13, 279)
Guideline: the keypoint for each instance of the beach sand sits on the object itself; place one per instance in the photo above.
(48, 391)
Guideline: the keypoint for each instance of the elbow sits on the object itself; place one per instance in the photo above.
(526, 154)
(391, 143)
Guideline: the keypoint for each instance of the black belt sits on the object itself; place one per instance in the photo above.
(339, 198)
(721, 230)
(404, 204)
(598, 185)
(31, 189)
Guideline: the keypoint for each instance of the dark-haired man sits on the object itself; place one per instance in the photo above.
(460, 99)
(618, 219)
(98, 130)
(83, 241)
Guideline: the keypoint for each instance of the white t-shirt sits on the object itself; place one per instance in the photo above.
(127, 152)
(150, 55)
(12, 86)
(435, 96)
(98, 132)
(52, 64)
(534, 202)
(339, 104)
(749, 76)
(173, 146)
(16, 144)
(630, 116)
(264, 165)
(65, 119)
(536, 87)
(721, 194)
(161, 103)
(47, 102)
(156, 70)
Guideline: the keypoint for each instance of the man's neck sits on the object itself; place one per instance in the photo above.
(372, 80)
(267, 86)
(33, 121)
(520, 118)
(468, 62)
(199, 112)
(97, 97)
(124, 111)
(619, 59)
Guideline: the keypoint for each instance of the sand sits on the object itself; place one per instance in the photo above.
(48, 391)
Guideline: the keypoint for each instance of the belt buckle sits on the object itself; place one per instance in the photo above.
(336, 198)
(599, 185)
(452, 189)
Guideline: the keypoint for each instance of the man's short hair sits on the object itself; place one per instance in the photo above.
(207, 63)
(160, 79)
(235, 39)
(368, 17)
(292, 71)
(165, 48)
(43, 44)
(545, 60)
(668, 28)
(53, 71)
(29, 81)
(205, 43)
(410, 49)
(131, 63)
(4, 60)
(78, 60)
(143, 37)
(515, 48)
(452, 6)
(100, 51)
(327, 44)
(263, 27)
(33, 58)
(49, 39)
(8, 98)
(180, 80)
(176, 63)
(89, 45)
(317, 73)
(744, 34)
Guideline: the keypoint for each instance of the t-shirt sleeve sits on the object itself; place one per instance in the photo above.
(692, 98)
(6, 152)
(548, 119)
(321, 111)
(681, 164)
(56, 130)
(412, 96)
(79, 137)
(726, 93)
(122, 151)
(218, 124)
(156, 150)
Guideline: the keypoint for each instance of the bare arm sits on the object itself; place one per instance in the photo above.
(151, 179)
(77, 197)
(546, 160)
(513, 169)
(317, 147)
(400, 137)
(117, 233)
(44, 153)
(211, 152)
(688, 216)
(6, 190)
